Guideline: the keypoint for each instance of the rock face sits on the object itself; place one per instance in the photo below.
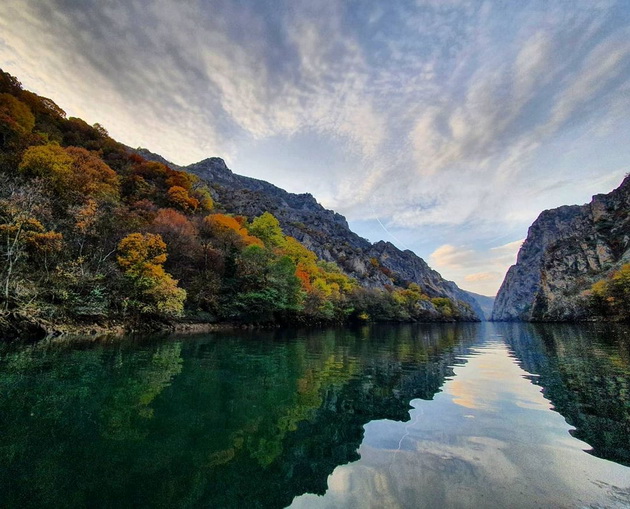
(567, 249)
(328, 235)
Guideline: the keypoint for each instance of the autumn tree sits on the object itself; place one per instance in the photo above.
(50, 162)
(611, 296)
(22, 234)
(91, 177)
(179, 197)
(141, 257)
(16, 118)
(176, 229)
(227, 231)
(267, 228)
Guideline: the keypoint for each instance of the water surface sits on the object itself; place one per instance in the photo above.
(472, 415)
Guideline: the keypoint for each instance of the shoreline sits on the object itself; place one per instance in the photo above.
(18, 327)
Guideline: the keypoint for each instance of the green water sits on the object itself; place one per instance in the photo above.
(471, 415)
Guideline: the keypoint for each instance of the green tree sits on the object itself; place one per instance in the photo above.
(267, 228)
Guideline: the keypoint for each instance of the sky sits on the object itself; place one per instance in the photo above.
(443, 126)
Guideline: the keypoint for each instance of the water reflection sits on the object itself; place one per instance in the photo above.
(489, 439)
(258, 419)
(584, 371)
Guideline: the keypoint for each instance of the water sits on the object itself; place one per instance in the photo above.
(470, 415)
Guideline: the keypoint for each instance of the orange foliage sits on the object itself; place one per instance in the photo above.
(177, 231)
(172, 221)
(46, 242)
(150, 170)
(142, 255)
(91, 176)
(179, 196)
(181, 179)
(250, 240)
(229, 230)
(85, 216)
(304, 277)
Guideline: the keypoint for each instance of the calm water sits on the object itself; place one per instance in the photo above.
(474, 415)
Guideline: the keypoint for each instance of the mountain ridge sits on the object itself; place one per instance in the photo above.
(326, 233)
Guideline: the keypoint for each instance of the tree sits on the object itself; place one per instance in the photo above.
(267, 285)
(177, 230)
(612, 295)
(75, 173)
(179, 197)
(22, 233)
(267, 228)
(228, 232)
(16, 118)
(50, 162)
(91, 177)
(202, 194)
(141, 257)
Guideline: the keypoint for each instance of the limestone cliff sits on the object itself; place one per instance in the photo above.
(567, 249)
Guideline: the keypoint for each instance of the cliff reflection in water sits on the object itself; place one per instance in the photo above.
(584, 371)
(222, 420)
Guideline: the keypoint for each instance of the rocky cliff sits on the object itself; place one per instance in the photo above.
(328, 235)
(567, 249)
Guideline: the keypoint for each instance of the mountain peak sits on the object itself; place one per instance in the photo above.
(216, 162)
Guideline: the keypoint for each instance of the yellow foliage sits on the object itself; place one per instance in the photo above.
(16, 115)
(141, 257)
(180, 197)
(48, 161)
(73, 171)
(142, 254)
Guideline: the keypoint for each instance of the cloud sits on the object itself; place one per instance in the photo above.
(483, 276)
(453, 257)
(479, 270)
(478, 123)
(462, 116)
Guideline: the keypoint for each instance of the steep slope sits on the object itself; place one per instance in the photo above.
(485, 303)
(328, 235)
(96, 234)
(567, 249)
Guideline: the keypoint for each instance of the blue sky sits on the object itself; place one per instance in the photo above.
(443, 126)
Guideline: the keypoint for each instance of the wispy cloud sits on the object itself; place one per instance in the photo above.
(480, 271)
(463, 114)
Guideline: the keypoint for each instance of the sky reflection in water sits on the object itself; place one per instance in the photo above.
(489, 439)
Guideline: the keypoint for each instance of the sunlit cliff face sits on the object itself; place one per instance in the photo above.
(431, 124)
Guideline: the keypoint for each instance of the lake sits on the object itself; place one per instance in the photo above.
(445, 415)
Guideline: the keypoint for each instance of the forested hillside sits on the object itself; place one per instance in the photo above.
(93, 233)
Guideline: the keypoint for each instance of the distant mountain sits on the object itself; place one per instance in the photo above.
(485, 303)
(567, 250)
(327, 234)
